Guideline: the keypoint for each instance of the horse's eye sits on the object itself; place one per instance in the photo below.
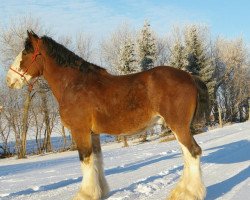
(24, 53)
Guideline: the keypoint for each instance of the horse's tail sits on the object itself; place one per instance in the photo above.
(202, 103)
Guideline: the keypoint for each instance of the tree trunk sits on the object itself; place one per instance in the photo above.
(220, 118)
(47, 139)
(118, 138)
(240, 107)
(233, 114)
(125, 141)
(144, 137)
(73, 146)
(64, 137)
(26, 106)
(248, 109)
(216, 112)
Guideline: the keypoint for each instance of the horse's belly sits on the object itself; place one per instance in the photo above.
(127, 125)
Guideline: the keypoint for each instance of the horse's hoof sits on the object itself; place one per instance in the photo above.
(81, 196)
(181, 193)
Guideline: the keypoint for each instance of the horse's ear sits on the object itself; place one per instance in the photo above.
(29, 34)
(33, 37)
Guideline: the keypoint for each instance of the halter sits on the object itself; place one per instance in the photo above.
(36, 53)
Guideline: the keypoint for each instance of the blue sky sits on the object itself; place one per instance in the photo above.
(229, 18)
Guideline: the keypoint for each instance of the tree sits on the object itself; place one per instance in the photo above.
(12, 39)
(81, 44)
(111, 47)
(146, 47)
(162, 53)
(199, 56)
(126, 57)
(4, 131)
(178, 56)
(232, 79)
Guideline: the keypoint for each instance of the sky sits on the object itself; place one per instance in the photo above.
(228, 18)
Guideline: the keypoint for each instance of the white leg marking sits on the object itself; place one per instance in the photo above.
(90, 184)
(190, 186)
(102, 179)
(94, 185)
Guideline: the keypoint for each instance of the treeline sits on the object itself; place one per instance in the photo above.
(221, 63)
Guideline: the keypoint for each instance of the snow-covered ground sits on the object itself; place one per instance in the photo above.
(142, 171)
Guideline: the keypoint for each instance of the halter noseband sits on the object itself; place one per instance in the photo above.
(35, 54)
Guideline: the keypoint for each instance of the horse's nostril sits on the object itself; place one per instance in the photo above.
(11, 82)
(12, 85)
(8, 80)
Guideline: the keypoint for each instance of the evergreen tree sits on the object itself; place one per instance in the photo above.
(127, 61)
(178, 58)
(199, 60)
(146, 47)
(194, 48)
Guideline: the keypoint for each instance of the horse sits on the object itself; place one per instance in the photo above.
(92, 101)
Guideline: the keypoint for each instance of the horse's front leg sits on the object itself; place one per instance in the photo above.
(91, 188)
(97, 150)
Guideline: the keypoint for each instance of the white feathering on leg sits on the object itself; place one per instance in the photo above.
(94, 185)
(190, 186)
(102, 179)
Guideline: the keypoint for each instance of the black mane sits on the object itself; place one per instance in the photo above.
(63, 56)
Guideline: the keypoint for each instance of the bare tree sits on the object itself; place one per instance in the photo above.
(232, 87)
(12, 115)
(12, 37)
(81, 44)
(11, 40)
(38, 123)
(110, 47)
(162, 51)
(4, 134)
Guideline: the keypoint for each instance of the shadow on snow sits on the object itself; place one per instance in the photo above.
(235, 152)
(115, 170)
(224, 154)
(218, 189)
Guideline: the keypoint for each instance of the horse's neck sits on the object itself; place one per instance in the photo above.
(57, 78)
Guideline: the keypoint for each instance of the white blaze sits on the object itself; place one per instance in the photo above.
(14, 79)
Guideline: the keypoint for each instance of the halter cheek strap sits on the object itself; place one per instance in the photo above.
(30, 84)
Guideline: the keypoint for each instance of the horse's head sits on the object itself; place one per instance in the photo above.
(27, 65)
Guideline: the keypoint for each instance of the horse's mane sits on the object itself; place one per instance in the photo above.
(63, 56)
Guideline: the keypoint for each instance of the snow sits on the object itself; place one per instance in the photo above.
(142, 171)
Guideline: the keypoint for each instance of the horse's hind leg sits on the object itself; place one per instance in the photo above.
(98, 152)
(91, 188)
(190, 186)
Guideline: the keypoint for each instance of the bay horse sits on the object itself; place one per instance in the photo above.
(92, 101)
